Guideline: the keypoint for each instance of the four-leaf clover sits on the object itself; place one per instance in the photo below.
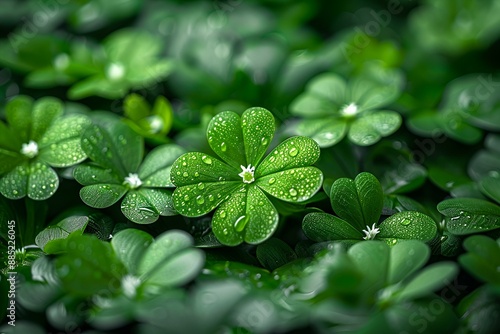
(238, 184)
(117, 171)
(39, 137)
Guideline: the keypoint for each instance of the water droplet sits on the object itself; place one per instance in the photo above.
(196, 174)
(206, 160)
(264, 141)
(222, 214)
(293, 152)
(240, 223)
(293, 192)
(200, 200)
(201, 186)
(272, 180)
(211, 198)
(405, 222)
(185, 174)
(225, 231)
(186, 197)
(223, 147)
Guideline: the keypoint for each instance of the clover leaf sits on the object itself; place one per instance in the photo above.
(482, 259)
(116, 171)
(333, 107)
(358, 204)
(39, 137)
(237, 185)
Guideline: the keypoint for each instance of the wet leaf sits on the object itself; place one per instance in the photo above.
(469, 215)
(292, 185)
(292, 153)
(258, 130)
(408, 225)
(225, 137)
(102, 195)
(144, 206)
(247, 215)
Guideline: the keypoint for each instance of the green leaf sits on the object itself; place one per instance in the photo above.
(45, 111)
(368, 129)
(19, 116)
(292, 153)
(358, 201)
(372, 259)
(490, 186)
(319, 226)
(61, 230)
(89, 266)
(35, 179)
(431, 278)
(470, 215)
(144, 206)
(482, 259)
(247, 215)
(408, 225)
(90, 174)
(292, 185)
(195, 167)
(258, 130)
(406, 258)
(120, 149)
(324, 131)
(274, 253)
(135, 107)
(129, 246)
(197, 200)
(225, 137)
(155, 169)
(60, 146)
(102, 195)
(163, 109)
(327, 91)
(170, 260)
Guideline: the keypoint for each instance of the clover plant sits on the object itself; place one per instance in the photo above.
(38, 137)
(237, 186)
(333, 107)
(117, 170)
(358, 204)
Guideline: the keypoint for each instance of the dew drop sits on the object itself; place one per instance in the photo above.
(272, 180)
(293, 152)
(223, 147)
(186, 197)
(293, 192)
(185, 174)
(200, 200)
(201, 186)
(211, 198)
(264, 141)
(405, 222)
(206, 160)
(223, 214)
(240, 223)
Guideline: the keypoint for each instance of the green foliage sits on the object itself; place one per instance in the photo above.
(249, 166)
(333, 107)
(38, 138)
(244, 212)
(116, 171)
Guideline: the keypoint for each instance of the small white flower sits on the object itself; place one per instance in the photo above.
(247, 174)
(133, 181)
(371, 232)
(129, 285)
(350, 109)
(115, 71)
(30, 149)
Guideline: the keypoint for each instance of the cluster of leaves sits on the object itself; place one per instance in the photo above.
(229, 167)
